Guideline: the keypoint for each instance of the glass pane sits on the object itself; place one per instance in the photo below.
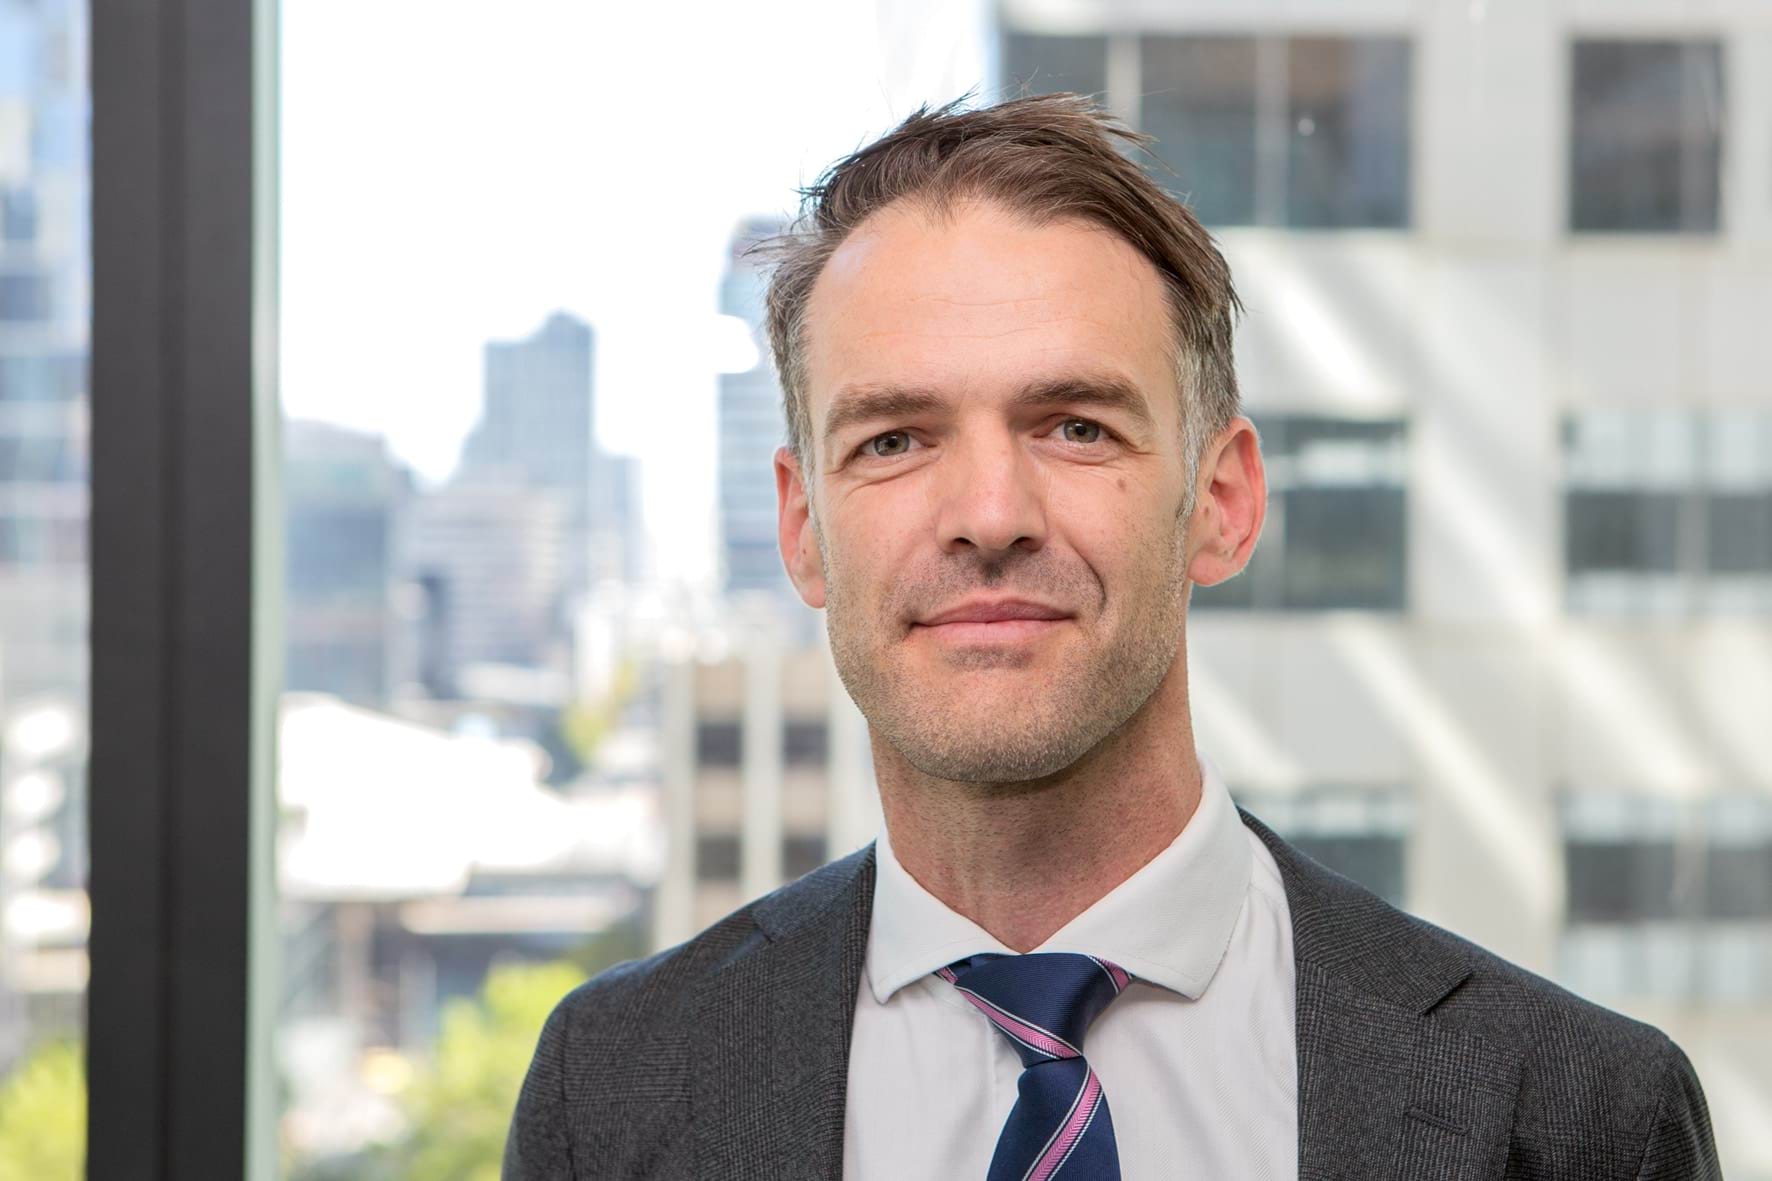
(1646, 139)
(1198, 99)
(45, 313)
(1347, 125)
(1039, 64)
(1335, 536)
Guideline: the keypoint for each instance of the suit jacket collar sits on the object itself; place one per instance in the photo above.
(1384, 1089)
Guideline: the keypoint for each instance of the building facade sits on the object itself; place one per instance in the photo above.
(1505, 639)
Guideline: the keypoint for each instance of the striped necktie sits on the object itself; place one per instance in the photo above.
(1044, 1002)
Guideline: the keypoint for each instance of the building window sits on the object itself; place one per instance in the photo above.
(1309, 132)
(719, 743)
(42, 377)
(1199, 101)
(805, 742)
(24, 296)
(1645, 144)
(1668, 898)
(18, 214)
(800, 855)
(716, 857)
(1668, 510)
(1335, 532)
(1360, 833)
(1038, 64)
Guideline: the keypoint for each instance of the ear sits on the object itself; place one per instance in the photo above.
(1230, 505)
(794, 531)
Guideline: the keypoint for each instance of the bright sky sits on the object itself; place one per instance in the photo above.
(454, 171)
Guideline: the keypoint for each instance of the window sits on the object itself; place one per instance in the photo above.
(1044, 65)
(1199, 100)
(1360, 833)
(1645, 144)
(800, 855)
(1668, 897)
(1668, 510)
(717, 857)
(1311, 132)
(719, 743)
(1334, 536)
(805, 743)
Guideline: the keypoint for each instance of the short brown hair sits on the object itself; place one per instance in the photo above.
(1048, 157)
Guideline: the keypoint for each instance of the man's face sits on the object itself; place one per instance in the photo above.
(995, 417)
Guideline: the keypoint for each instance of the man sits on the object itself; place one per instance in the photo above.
(1014, 445)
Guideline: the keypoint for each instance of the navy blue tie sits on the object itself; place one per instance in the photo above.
(1044, 1002)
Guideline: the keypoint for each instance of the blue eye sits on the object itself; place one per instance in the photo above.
(1085, 423)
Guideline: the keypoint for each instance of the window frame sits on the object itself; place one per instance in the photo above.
(185, 532)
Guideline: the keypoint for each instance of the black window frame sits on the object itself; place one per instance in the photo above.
(185, 570)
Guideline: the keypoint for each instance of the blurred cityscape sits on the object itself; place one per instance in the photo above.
(1504, 653)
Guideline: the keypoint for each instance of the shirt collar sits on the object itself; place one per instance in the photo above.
(1169, 923)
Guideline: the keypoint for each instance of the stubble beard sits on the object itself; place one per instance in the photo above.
(1030, 726)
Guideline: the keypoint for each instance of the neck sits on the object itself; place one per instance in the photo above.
(1023, 859)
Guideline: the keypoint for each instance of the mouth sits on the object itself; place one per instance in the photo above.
(998, 631)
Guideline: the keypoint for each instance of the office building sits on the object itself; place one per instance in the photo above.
(45, 309)
(1504, 642)
(345, 500)
(751, 427)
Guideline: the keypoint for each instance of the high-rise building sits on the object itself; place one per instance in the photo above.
(487, 555)
(45, 308)
(345, 501)
(751, 427)
(535, 515)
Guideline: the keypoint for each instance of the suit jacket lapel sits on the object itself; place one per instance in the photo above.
(774, 1025)
(1385, 1088)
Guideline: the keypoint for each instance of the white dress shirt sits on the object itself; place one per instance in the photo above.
(1196, 1057)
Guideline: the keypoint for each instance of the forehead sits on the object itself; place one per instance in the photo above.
(977, 299)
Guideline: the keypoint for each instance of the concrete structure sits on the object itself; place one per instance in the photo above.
(765, 767)
(1542, 727)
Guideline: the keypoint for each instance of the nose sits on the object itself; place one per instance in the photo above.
(991, 497)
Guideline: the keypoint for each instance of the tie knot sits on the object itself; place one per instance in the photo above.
(1043, 1002)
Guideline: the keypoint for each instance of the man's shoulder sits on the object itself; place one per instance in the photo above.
(1361, 938)
(1582, 1065)
(637, 995)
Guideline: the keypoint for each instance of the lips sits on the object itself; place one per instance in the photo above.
(994, 611)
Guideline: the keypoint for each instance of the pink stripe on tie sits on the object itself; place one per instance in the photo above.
(1020, 1030)
(1074, 1126)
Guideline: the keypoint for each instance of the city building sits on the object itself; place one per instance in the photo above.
(751, 427)
(502, 556)
(765, 768)
(1504, 643)
(45, 310)
(411, 860)
(345, 501)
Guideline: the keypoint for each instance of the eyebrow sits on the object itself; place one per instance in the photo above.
(858, 404)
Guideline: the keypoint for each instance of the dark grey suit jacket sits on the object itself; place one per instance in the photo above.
(1419, 1054)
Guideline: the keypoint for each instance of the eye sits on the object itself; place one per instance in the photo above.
(898, 442)
(1087, 427)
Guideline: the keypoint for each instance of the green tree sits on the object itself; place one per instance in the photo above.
(460, 1103)
(584, 724)
(43, 1116)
